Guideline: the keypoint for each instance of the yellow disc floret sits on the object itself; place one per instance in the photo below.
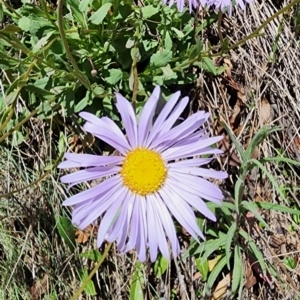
(143, 171)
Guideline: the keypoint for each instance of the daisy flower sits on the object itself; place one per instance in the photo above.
(226, 5)
(156, 175)
(219, 5)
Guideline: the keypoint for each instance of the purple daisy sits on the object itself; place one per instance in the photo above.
(222, 5)
(157, 174)
(226, 5)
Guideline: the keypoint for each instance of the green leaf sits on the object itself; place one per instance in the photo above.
(238, 189)
(179, 33)
(208, 65)
(237, 275)
(215, 273)
(276, 207)
(115, 75)
(160, 59)
(17, 138)
(25, 23)
(74, 5)
(259, 137)
(9, 29)
(84, 102)
(237, 145)
(148, 11)
(66, 231)
(270, 177)
(257, 253)
(230, 236)
(93, 255)
(1, 12)
(251, 207)
(136, 290)
(168, 43)
(90, 287)
(208, 247)
(279, 159)
(168, 72)
(84, 5)
(203, 267)
(100, 14)
(160, 266)
(42, 42)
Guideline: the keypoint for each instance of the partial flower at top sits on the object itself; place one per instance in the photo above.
(157, 174)
(181, 4)
(226, 5)
(223, 5)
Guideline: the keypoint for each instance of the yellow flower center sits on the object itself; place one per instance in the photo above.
(143, 171)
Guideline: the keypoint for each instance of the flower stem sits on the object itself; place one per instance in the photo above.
(97, 266)
(135, 59)
(78, 74)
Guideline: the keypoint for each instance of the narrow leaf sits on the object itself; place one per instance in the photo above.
(230, 236)
(100, 14)
(136, 291)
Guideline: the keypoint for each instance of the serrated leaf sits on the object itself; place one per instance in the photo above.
(160, 59)
(115, 75)
(160, 266)
(90, 287)
(66, 231)
(93, 255)
(149, 11)
(136, 290)
(100, 14)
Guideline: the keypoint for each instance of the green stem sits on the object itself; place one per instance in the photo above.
(45, 9)
(66, 45)
(134, 71)
(97, 266)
